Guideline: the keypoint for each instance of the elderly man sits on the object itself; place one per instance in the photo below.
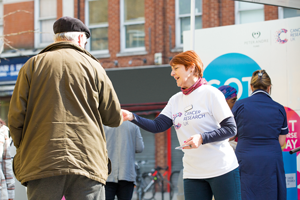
(62, 99)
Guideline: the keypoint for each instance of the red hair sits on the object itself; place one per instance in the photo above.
(188, 58)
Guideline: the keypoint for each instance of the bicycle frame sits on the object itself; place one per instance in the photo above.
(148, 188)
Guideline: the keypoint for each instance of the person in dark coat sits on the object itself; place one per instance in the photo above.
(61, 100)
(262, 128)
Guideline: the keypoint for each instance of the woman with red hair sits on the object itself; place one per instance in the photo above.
(203, 123)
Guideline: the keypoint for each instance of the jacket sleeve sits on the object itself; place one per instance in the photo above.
(18, 104)
(109, 105)
(139, 145)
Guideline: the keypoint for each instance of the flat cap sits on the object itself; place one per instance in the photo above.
(70, 24)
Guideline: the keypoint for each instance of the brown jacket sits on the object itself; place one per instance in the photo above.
(61, 99)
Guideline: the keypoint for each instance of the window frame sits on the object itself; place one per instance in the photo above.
(37, 20)
(237, 11)
(281, 13)
(123, 25)
(177, 23)
(103, 25)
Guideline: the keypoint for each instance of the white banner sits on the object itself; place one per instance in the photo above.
(231, 54)
(283, 3)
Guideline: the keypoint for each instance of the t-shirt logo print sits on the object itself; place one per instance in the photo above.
(177, 126)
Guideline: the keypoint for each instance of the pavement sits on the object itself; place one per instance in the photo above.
(158, 196)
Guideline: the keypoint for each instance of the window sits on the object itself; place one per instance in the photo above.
(183, 22)
(132, 25)
(97, 22)
(249, 12)
(287, 13)
(45, 16)
(68, 8)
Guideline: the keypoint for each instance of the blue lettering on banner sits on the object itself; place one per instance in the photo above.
(10, 67)
(232, 69)
(295, 32)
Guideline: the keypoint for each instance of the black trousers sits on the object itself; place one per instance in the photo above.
(123, 190)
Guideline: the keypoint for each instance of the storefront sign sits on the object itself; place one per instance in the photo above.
(10, 67)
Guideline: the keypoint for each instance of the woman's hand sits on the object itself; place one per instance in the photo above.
(127, 115)
(194, 141)
(233, 138)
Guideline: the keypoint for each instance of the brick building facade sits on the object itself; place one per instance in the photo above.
(130, 36)
(159, 26)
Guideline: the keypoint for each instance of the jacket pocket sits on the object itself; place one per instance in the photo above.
(109, 166)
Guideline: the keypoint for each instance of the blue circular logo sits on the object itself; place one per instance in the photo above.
(232, 69)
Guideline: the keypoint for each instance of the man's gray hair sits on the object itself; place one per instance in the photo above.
(68, 36)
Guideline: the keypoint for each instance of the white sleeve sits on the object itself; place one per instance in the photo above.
(219, 107)
(167, 111)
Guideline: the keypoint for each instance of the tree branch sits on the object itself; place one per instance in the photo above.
(16, 12)
(19, 33)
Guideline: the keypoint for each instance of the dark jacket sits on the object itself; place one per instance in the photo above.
(61, 99)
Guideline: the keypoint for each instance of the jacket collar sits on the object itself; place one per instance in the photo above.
(66, 45)
(260, 91)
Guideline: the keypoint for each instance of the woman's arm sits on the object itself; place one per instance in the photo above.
(159, 124)
(227, 130)
(282, 139)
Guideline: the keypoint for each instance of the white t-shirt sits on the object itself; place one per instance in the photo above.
(202, 111)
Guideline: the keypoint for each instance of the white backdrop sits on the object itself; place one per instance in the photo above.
(267, 43)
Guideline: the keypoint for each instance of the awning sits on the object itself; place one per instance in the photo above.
(145, 108)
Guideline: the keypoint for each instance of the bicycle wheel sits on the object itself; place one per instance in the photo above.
(139, 193)
(174, 186)
(148, 187)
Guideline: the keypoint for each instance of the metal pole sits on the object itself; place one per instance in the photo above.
(78, 9)
(192, 40)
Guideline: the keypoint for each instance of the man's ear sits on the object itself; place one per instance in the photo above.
(80, 41)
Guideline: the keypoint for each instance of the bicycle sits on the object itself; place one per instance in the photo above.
(147, 181)
(139, 179)
(174, 181)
